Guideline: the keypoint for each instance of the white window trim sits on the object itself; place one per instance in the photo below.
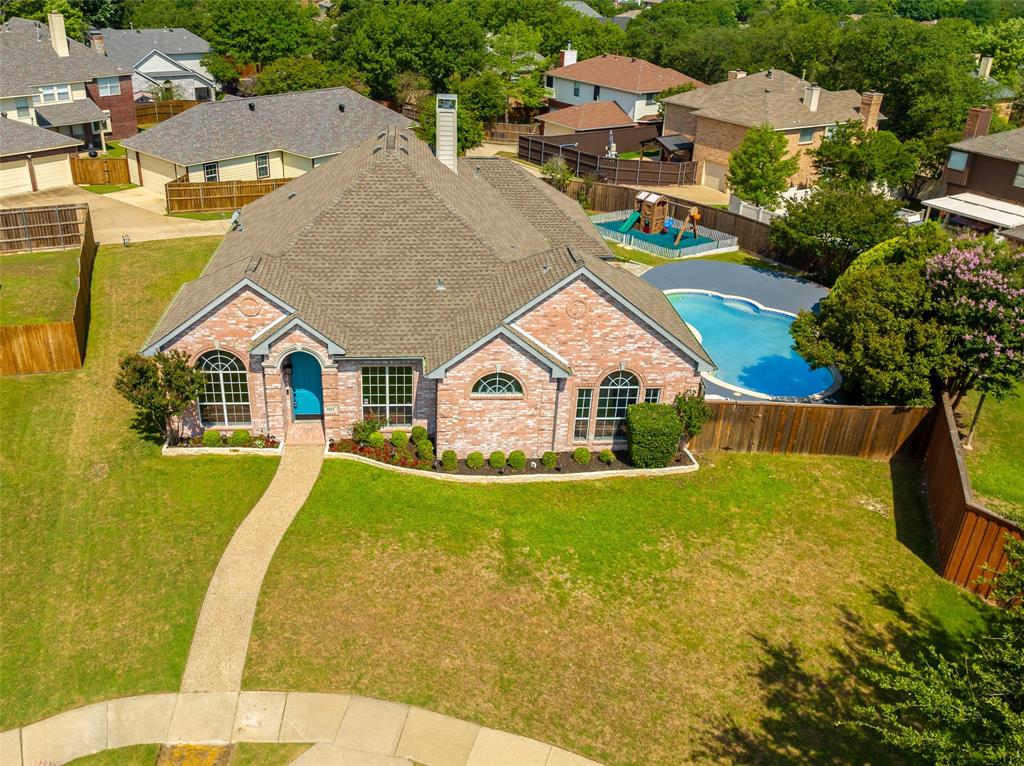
(800, 137)
(265, 156)
(206, 173)
(1018, 180)
(107, 81)
(55, 90)
(498, 394)
(957, 153)
(387, 394)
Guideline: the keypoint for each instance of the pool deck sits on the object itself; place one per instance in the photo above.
(772, 289)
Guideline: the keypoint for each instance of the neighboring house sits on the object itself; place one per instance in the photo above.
(632, 83)
(621, 20)
(1002, 95)
(49, 80)
(595, 115)
(472, 299)
(583, 9)
(158, 57)
(716, 118)
(245, 139)
(984, 177)
(33, 158)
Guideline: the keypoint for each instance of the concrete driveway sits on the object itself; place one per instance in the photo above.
(112, 217)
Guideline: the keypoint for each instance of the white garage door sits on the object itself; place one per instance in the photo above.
(714, 175)
(52, 171)
(14, 177)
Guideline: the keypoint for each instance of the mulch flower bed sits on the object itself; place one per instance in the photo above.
(386, 453)
(260, 441)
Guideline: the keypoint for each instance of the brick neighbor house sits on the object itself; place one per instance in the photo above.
(716, 118)
(466, 296)
(49, 80)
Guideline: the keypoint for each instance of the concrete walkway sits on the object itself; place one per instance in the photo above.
(221, 640)
(344, 730)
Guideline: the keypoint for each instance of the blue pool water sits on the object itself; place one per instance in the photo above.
(666, 238)
(752, 348)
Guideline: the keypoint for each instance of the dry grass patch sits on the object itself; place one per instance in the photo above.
(636, 621)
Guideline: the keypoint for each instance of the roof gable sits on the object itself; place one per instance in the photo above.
(624, 73)
(155, 61)
(593, 115)
(1008, 145)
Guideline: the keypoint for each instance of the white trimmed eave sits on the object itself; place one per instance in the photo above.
(557, 370)
(246, 283)
(263, 347)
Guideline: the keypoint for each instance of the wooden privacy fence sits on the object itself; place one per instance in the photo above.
(814, 429)
(968, 535)
(185, 197)
(100, 170)
(652, 172)
(42, 228)
(54, 346)
(152, 112)
(509, 132)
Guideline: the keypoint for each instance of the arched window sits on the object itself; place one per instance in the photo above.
(225, 401)
(618, 391)
(498, 384)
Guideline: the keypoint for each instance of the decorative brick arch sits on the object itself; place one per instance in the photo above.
(278, 355)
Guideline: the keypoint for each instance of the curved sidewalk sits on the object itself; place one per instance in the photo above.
(344, 731)
(221, 641)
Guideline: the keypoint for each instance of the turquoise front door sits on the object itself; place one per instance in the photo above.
(307, 385)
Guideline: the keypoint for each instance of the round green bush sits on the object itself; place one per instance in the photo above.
(475, 460)
(212, 438)
(425, 450)
(497, 459)
(375, 440)
(517, 459)
(240, 438)
(419, 433)
(581, 456)
(549, 460)
(606, 456)
(449, 460)
(399, 439)
(362, 429)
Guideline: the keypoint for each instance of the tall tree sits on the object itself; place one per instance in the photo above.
(852, 155)
(759, 170)
(294, 74)
(258, 31)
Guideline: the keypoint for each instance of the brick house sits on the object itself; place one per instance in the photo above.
(716, 118)
(465, 296)
(54, 82)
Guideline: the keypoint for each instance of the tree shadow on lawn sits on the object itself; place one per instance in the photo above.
(146, 429)
(808, 709)
(910, 510)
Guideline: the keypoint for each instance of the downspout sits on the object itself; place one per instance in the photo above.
(554, 425)
(266, 405)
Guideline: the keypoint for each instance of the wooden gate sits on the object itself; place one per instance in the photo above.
(99, 170)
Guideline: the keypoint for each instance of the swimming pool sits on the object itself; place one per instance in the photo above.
(751, 346)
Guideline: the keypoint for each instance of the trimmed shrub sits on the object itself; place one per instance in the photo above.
(399, 439)
(375, 440)
(240, 438)
(517, 459)
(419, 433)
(425, 450)
(581, 456)
(362, 429)
(549, 460)
(653, 431)
(449, 460)
(497, 459)
(606, 456)
(212, 438)
(475, 460)
(693, 413)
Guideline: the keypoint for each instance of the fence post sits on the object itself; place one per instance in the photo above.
(659, 172)
(578, 162)
(25, 232)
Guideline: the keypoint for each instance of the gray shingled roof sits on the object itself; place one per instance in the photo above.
(1008, 145)
(359, 246)
(777, 100)
(27, 60)
(19, 138)
(71, 113)
(129, 46)
(307, 123)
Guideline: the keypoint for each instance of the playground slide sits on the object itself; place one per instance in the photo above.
(628, 223)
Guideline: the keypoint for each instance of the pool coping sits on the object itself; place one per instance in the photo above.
(837, 377)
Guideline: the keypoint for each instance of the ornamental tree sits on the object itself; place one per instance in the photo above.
(977, 287)
(290, 74)
(851, 155)
(759, 170)
(161, 388)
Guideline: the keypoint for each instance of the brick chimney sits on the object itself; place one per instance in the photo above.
(736, 74)
(979, 119)
(567, 57)
(870, 108)
(446, 135)
(985, 67)
(97, 43)
(58, 37)
(811, 95)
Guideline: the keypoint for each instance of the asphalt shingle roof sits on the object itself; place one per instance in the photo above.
(1008, 145)
(28, 60)
(388, 253)
(592, 115)
(631, 75)
(309, 123)
(71, 113)
(777, 100)
(129, 46)
(20, 138)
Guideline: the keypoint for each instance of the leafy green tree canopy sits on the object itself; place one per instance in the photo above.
(850, 154)
(759, 170)
(295, 74)
(258, 31)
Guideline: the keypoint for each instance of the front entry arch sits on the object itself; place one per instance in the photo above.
(307, 385)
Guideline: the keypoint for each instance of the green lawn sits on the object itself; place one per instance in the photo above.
(218, 216)
(746, 258)
(115, 150)
(996, 462)
(38, 287)
(718, 617)
(107, 547)
(241, 754)
(650, 153)
(135, 755)
(107, 188)
(624, 253)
